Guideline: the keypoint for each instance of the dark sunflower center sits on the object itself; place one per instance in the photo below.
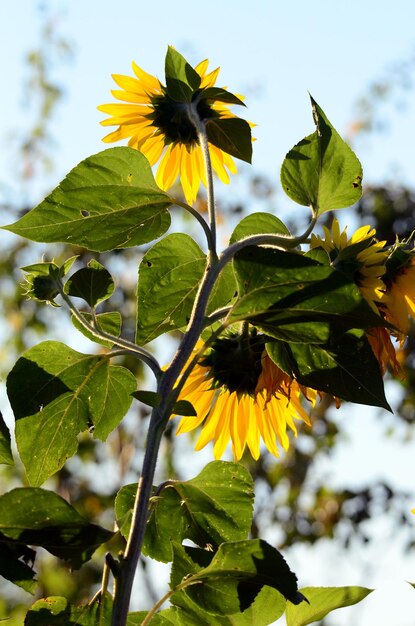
(235, 362)
(172, 119)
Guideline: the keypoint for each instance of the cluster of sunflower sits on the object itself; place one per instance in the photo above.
(238, 392)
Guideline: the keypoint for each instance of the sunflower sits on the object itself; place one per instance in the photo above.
(362, 255)
(159, 126)
(366, 259)
(239, 394)
(398, 299)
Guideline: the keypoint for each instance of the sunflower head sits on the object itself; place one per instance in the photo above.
(239, 394)
(234, 362)
(157, 121)
(398, 297)
(361, 256)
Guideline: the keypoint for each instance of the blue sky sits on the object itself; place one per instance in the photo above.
(274, 52)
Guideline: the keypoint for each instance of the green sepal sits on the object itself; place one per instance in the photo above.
(213, 507)
(93, 283)
(232, 135)
(150, 398)
(109, 322)
(322, 171)
(230, 581)
(181, 79)
(39, 517)
(321, 602)
(219, 94)
(110, 200)
(258, 224)
(399, 257)
(345, 367)
(184, 408)
(6, 456)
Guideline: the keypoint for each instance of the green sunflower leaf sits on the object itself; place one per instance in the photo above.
(109, 322)
(168, 279)
(230, 581)
(56, 393)
(16, 562)
(37, 517)
(232, 135)
(181, 79)
(6, 456)
(215, 506)
(93, 284)
(56, 611)
(268, 606)
(258, 224)
(110, 200)
(345, 367)
(322, 171)
(321, 602)
(184, 408)
(163, 618)
(294, 298)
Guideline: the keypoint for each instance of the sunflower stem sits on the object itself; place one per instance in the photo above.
(168, 390)
(209, 237)
(204, 145)
(129, 561)
(131, 348)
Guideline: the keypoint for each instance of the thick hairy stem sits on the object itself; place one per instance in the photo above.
(129, 561)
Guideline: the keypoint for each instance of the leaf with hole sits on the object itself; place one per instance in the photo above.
(110, 200)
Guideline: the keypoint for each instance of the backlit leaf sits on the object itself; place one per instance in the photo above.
(232, 135)
(168, 280)
(56, 611)
(231, 580)
(56, 393)
(37, 517)
(322, 601)
(258, 224)
(6, 457)
(322, 171)
(215, 506)
(93, 284)
(346, 367)
(109, 200)
(181, 79)
(292, 297)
